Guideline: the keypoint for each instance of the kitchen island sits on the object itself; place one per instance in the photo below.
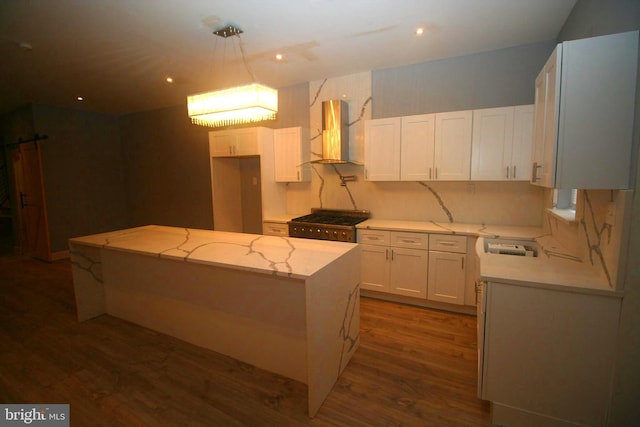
(286, 305)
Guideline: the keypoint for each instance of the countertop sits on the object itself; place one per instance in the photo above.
(284, 256)
(555, 267)
(476, 230)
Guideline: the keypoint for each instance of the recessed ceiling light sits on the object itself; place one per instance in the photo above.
(80, 98)
(279, 56)
(419, 31)
(169, 80)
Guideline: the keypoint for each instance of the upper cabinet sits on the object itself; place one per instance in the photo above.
(234, 142)
(416, 154)
(584, 113)
(382, 139)
(452, 155)
(419, 148)
(291, 154)
(501, 146)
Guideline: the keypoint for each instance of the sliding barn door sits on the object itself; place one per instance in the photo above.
(32, 212)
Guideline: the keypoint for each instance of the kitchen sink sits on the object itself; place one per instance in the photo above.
(513, 247)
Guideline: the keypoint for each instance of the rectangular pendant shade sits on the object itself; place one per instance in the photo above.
(238, 105)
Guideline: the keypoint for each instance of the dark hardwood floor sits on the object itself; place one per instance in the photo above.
(414, 367)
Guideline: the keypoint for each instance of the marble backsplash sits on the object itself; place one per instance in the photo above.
(592, 237)
(343, 186)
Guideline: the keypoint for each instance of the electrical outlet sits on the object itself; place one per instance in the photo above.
(611, 214)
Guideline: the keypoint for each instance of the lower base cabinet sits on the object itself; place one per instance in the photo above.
(447, 268)
(408, 272)
(446, 277)
(419, 265)
(547, 355)
(388, 265)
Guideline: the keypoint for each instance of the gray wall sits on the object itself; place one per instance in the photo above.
(82, 172)
(491, 79)
(594, 18)
(167, 169)
(166, 160)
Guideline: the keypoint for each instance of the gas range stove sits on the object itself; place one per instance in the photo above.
(328, 224)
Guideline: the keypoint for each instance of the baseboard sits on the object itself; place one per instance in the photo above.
(462, 309)
(57, 256)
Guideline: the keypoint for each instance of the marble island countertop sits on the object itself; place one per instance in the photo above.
(284, 256)
(555, 267)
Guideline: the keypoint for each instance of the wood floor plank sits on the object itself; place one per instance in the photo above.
(414, 367)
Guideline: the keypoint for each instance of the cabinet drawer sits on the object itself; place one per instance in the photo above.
(402, 239)
(373, 237)
(448, 243)
(275, 229)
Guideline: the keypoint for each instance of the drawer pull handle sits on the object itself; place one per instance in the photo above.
(408, 241)
(447, 243)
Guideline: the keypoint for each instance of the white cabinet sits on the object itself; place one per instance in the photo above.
(394, 262)
(272, 228)
(447, 270)
(413, 148)
(501, 143)
(417, 149)
(522, 142)
(382, 149)
(584, 114)
(234, 142)
(548, 355)
(452, 154)
(545, 121)
(291, 154)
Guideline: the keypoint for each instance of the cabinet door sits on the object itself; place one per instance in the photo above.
(453, 146)
(290, 162)
(446, 277)
(551, 111)
(235, 142)
(408, 274)
(246, 142)
(382, 149)
(546, 119)
(492, 144)
(522, 140)
(375, 267)
(221, 144)
(417, 147)
(544, 347)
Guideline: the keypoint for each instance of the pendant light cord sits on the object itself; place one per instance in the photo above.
(244, 60)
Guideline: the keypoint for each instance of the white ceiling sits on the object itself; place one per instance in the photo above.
(118, 53)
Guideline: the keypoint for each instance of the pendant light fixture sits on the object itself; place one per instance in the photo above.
(237, 105)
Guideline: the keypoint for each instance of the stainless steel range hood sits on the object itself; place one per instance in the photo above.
(335, 132)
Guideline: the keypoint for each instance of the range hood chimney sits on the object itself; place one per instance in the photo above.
(335, 132)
